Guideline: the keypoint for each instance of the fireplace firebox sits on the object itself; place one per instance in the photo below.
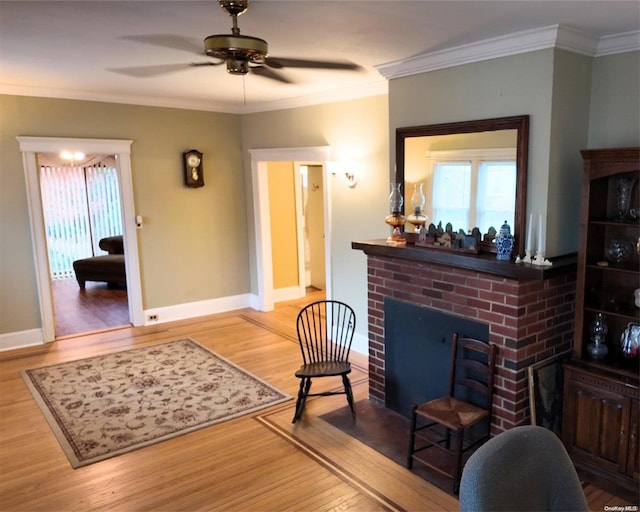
(418, 352)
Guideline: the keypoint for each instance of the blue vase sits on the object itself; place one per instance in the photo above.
(504, 242)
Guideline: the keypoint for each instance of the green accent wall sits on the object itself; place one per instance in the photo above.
(193, 245)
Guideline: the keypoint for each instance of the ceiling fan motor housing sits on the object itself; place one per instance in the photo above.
(237, 51)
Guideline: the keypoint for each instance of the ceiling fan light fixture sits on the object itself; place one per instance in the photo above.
(237, 66)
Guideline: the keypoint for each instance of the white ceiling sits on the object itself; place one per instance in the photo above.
(70, 49)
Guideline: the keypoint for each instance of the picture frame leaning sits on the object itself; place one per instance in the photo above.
(546, 385)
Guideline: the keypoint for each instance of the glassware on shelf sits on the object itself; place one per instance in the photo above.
(395, 219)
(619, 250)
(417, 218)
(630, 341)
(597, 347)
(624, 188)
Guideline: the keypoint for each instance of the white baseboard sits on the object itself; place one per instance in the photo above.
(21, 339)
(284, 294)
(199, 308)
(31, 337)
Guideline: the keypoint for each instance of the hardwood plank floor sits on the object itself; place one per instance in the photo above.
(259, 462)
(96, 308)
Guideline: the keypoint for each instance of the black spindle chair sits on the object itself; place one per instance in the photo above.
(325, 332)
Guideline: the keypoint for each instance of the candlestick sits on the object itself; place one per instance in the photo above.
(541, 235)
(529, 246)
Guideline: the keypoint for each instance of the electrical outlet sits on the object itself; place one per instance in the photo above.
(152, 318)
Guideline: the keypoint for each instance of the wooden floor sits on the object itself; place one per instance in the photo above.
(96, 308)
(259, 462)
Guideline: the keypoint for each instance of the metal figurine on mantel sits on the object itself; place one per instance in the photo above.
(396, 218)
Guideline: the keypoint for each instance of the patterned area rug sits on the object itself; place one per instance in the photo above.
(108, 405)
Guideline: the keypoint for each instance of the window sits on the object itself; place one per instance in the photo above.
(81, 205)
(451, 193)
(495, 193)
(474, 192)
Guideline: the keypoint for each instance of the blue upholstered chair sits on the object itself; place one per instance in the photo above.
(525, 468)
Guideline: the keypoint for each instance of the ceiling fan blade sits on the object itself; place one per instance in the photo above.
(270, 73)
(173, 41)
(284, 62)
(149, 71)
(209, 63)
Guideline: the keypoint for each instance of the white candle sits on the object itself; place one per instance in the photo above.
(542, 236)
(529, 246)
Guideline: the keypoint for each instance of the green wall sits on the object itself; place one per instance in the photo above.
(357, 131)
(193, 245)
(614, 114)
(508, 86)
(568, 135)
(573, 102)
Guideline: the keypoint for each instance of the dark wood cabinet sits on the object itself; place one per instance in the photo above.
(633, 468)
(601, 397)
(600, 418)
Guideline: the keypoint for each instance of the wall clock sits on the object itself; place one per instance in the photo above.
(192, 165)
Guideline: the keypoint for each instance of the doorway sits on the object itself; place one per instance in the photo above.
(312, 215)
(260, 158)
(30, 147)
(82, 209)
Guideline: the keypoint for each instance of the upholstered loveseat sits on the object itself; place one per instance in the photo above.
(108, 268)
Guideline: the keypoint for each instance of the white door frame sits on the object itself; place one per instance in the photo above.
(30, 147)
(315, 155)
(300, 220)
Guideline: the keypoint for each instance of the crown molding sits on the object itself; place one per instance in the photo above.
(576, 41)
(619, 43)
(554, 36)
(146, 101)
(375, 88)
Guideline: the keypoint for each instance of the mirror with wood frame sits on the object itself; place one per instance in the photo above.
(473, 174)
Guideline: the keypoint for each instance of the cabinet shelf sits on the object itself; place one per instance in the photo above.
(624, 371)
(601, 418)
(626, 314)
(628, 268)
(614, 222)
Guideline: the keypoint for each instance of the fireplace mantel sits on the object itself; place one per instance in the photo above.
(483, 262)
(528, 311)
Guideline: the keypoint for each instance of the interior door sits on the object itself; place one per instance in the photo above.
(316, 228)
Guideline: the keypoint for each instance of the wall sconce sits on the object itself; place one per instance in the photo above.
(348, 171)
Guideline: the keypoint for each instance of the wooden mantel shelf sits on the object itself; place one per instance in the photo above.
(483, 262)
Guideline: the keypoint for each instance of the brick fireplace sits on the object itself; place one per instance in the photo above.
(528, 310)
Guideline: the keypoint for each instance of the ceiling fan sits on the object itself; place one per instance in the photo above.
(240, 53)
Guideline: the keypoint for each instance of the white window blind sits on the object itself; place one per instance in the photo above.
(81, 205)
